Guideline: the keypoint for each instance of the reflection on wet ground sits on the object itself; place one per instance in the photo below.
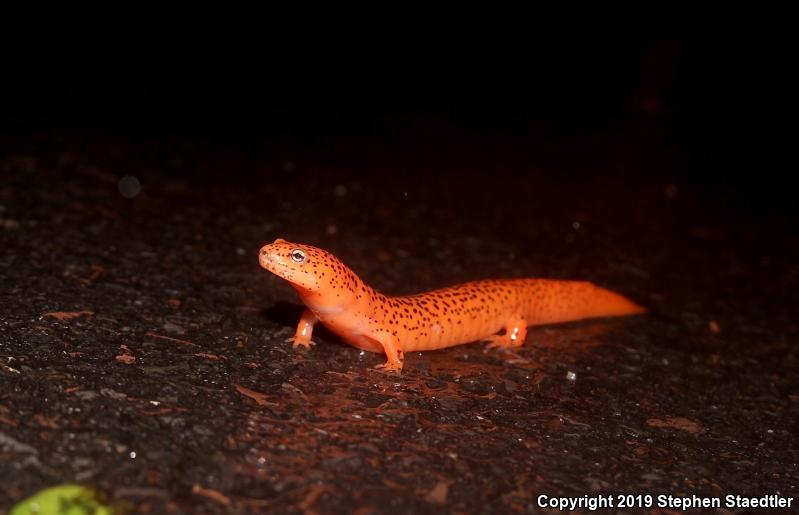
(458, 409)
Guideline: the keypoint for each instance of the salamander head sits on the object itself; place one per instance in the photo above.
(319, 277)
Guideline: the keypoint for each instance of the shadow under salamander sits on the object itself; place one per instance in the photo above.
(287, 314)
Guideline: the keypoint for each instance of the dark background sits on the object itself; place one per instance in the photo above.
(720, 96)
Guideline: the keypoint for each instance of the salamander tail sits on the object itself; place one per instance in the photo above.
(566, 301)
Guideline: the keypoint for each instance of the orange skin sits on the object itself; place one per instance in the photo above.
(469, 312)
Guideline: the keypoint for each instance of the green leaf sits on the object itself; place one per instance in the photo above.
(62, 500)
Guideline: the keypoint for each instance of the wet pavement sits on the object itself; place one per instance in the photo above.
(143, 353)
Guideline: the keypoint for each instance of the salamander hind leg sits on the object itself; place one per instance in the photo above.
(394, 356)
(514, 335)
(302, 337)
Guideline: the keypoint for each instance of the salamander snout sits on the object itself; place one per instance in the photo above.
(264, 257)
(274, 255)
(293, 262)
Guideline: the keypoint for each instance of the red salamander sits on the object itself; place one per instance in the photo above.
(468, 312)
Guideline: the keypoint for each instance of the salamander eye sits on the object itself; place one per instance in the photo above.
(298, 256)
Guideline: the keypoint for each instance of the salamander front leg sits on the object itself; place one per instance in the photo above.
(304, 330)
(515, 334)
(394, 355)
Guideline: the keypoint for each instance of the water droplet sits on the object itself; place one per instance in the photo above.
(129, 186)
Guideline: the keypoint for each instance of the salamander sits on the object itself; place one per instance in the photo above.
(498, 311)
